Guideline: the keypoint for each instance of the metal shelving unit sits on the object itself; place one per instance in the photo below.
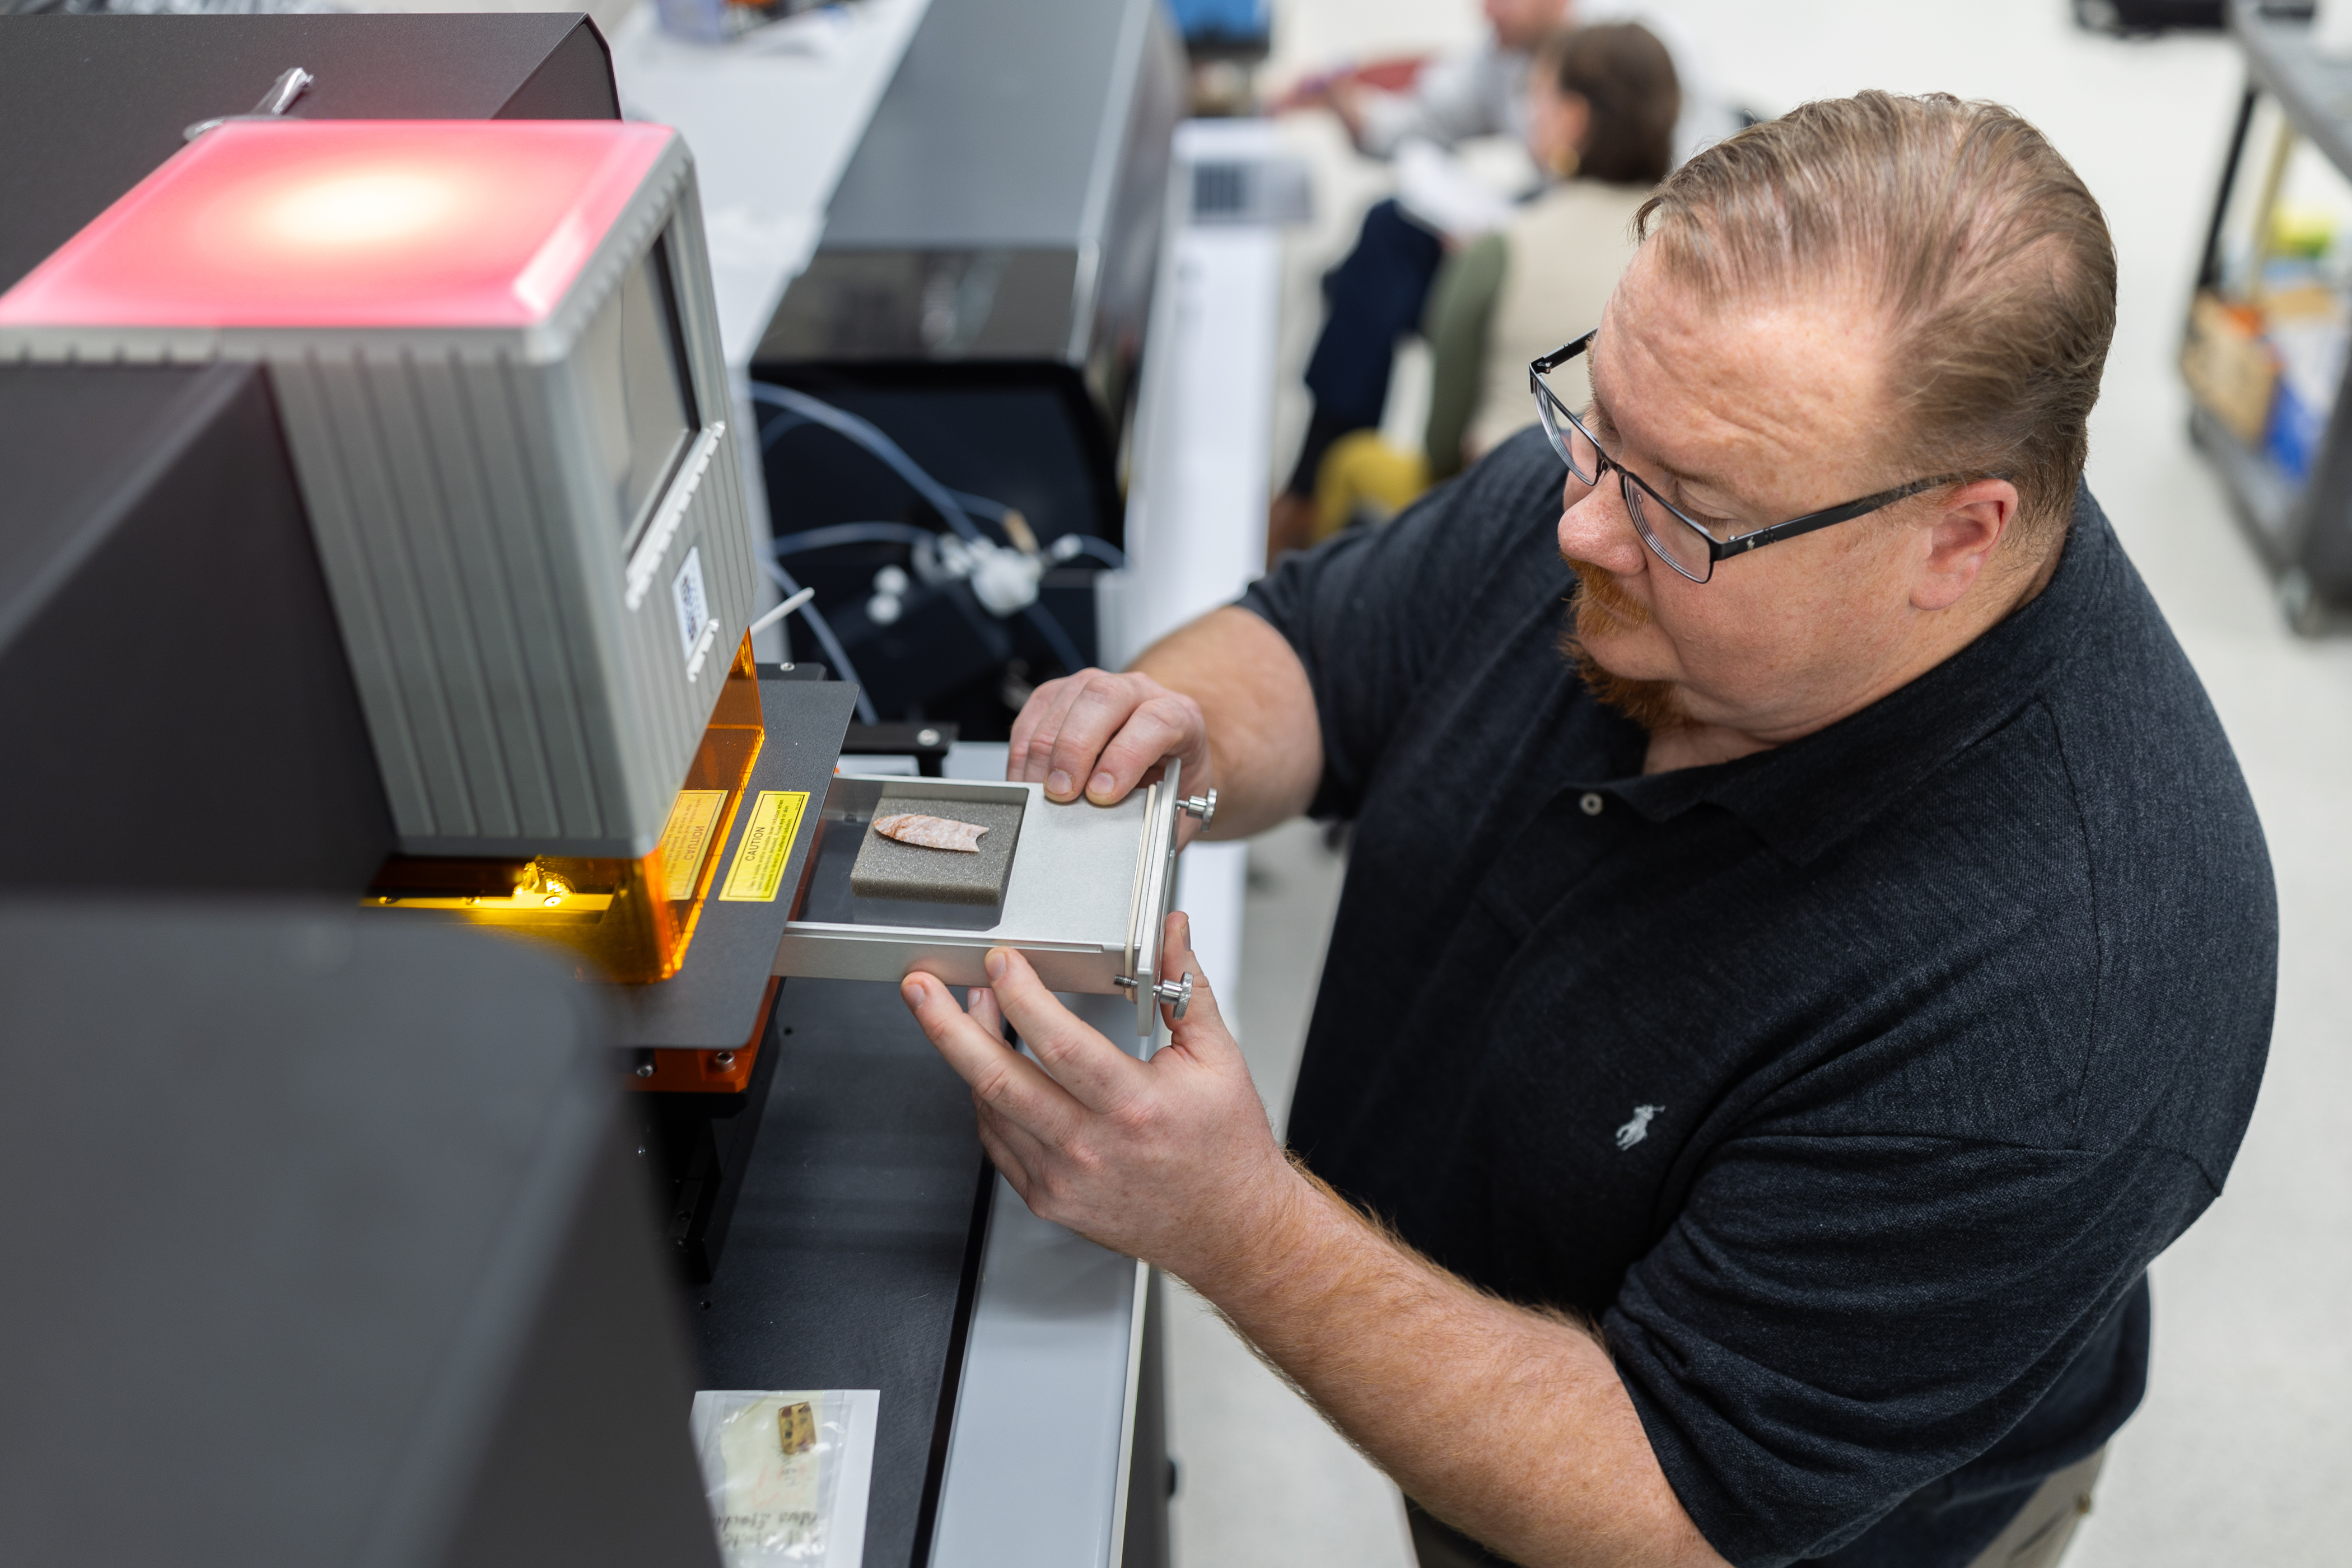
(2265, 345)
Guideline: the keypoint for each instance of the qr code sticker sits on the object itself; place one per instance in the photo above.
(693, 604)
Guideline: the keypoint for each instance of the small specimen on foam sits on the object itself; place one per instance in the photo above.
(931, 832)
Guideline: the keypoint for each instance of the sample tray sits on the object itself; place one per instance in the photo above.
(1086, 901)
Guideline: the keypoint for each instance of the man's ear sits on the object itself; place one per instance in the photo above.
(1961, 537)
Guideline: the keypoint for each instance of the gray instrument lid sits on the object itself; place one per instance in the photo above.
(1028, 89)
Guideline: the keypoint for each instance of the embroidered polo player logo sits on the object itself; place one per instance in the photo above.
(1633, 1131)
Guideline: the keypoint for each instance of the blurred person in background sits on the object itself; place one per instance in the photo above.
(1603, 104)
(1380, 291)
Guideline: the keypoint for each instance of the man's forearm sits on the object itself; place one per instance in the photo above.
(1260, 710)
(1510, 1424)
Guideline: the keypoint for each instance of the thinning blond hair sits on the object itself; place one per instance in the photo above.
(1984, 254)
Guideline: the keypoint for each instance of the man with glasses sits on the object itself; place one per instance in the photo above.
(1776, 1012)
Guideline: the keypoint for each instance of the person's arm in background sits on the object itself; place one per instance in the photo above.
(1226, 695)
(1454, 98)
(1337, 91)
(1461, 304)
(1451, 99)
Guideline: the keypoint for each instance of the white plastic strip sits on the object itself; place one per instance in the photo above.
(645, 564)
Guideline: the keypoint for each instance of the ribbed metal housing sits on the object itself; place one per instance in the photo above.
(526, 683)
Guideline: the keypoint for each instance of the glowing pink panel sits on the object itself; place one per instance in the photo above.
(351, 223)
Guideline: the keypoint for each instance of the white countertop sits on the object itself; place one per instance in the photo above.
(772, 119)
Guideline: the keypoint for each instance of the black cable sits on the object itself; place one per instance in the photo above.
(849, 534)
(800, 408)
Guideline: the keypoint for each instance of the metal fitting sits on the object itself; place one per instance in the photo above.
(1177, 992)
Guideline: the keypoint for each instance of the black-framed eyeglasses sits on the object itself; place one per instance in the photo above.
(1682, 542)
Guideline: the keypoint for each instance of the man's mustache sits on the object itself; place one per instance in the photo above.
(1600, 606)
(1599, 595)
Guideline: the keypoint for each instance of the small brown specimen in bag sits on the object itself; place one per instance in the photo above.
(931, 832)
(796, 1427)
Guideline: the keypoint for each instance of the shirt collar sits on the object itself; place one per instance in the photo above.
(1803, 797)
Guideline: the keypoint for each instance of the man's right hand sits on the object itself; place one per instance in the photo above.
(1098, 735)
(1103, 734)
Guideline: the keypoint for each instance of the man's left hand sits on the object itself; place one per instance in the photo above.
(1170, 1160)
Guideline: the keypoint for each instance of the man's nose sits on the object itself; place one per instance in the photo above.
(1595, 527)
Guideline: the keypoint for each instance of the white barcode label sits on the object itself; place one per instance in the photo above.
(693, 604)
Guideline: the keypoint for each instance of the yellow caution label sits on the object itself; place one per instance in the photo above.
(759, 868)
(686, 840)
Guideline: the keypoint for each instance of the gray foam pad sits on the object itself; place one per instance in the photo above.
(887, 869)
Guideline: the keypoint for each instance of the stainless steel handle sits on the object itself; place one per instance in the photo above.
(280, 96)
(1155, 892)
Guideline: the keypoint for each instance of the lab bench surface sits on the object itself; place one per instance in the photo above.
(853, 1249)
(1021, 1421)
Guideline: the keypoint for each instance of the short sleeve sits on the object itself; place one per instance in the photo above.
(1375, 612)
(1833, 1322)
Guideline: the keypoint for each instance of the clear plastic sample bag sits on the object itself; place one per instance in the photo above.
(786, 1474)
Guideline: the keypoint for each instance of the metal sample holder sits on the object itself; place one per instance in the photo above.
(1086, 901)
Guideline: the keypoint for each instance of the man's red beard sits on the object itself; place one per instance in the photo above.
(1598, 607)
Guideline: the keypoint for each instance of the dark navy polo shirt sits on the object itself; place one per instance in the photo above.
(1850, 1087)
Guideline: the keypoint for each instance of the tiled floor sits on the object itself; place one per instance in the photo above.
(2240, 1453)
